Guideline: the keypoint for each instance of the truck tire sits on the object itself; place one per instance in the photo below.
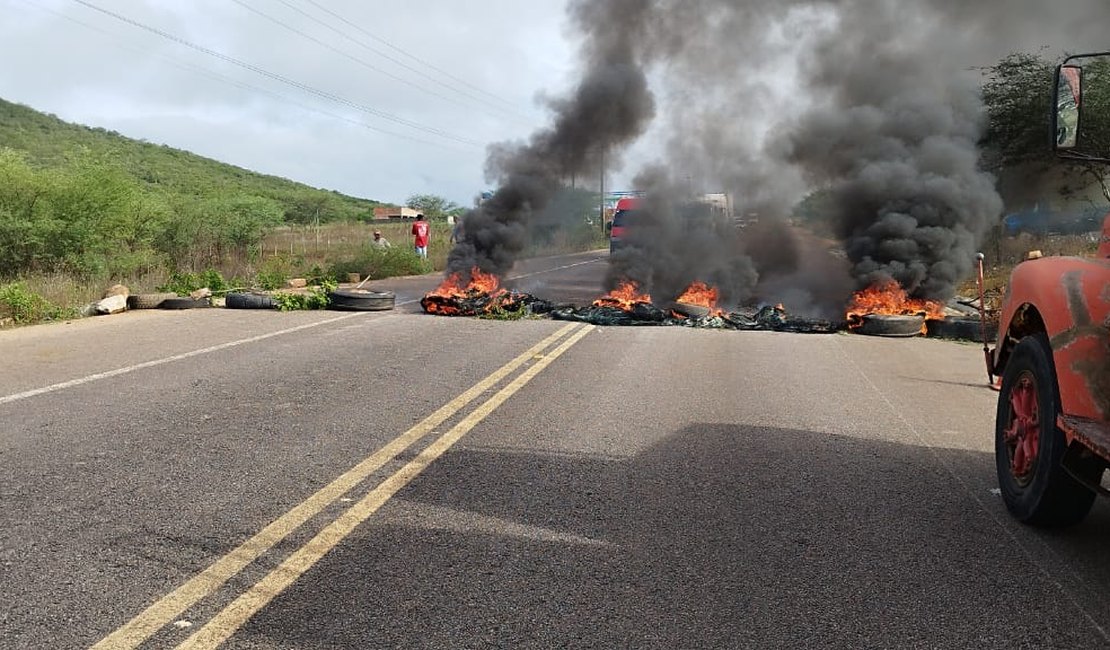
(243, 300)
(960, 329)
(891, 325)
(185, 303)
(1029, 447)
(361, 300)
(148, 300)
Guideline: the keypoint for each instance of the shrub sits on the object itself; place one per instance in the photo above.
(273, 274)
(315, 298)
(375, 264)
(185, 283)
(316, 276)
(24, 306)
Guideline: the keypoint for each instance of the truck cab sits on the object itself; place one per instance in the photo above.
(1052, 426)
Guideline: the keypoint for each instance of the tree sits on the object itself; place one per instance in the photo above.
(1018, 97)
(433, 206)
(308, 209)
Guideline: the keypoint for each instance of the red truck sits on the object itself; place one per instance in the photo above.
(618, 230)
(1052, 428)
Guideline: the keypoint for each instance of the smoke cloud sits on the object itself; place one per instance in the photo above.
(874, 103)
(608, 109)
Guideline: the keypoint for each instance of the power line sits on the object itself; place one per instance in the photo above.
(277, 77)
(402, 51)
(340, 52)
(486, 102)
(204, 72)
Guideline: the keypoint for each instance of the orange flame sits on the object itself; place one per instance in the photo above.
(890, 299)
(623, 297)
(458, 286)
(702, 295)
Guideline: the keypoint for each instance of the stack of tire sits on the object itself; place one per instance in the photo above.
(340, 299)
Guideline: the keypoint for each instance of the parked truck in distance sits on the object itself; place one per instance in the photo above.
(1052, 426)
(704, 211)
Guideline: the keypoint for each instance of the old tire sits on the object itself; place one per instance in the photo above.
(242, 300)
(361, 300)
(185, 303)
(884, 325)
(960, 329)
(1029, 447)
(148, 300)
(691, 311)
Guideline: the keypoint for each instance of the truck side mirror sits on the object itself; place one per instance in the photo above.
(1068, 100)
(1081, 108)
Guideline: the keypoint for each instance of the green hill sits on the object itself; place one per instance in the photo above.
(93, 202)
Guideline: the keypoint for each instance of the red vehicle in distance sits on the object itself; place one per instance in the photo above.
(623, 213)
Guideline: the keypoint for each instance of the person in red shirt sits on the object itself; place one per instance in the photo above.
(420, 231)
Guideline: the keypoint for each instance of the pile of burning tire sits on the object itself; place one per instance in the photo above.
(884, 310)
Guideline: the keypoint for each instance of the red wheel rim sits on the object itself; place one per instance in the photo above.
(1023, 431)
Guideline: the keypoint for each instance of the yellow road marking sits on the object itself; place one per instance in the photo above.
(230, 619)
(167, 608)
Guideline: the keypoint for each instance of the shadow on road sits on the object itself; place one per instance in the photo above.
(722, 536)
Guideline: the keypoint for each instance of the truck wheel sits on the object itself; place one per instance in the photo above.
(1028, 446)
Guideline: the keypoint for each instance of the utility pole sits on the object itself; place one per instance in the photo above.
(601, 201)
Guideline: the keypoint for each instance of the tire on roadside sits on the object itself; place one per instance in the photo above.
(361, 300)
(185, 303)
(243, 300)
(960, 329)
(890, 325)
(148, 300)
(1046, 495)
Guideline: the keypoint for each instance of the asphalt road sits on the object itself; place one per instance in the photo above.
(396, 480)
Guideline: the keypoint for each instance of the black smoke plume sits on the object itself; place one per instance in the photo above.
(873, 102)
(608, 108)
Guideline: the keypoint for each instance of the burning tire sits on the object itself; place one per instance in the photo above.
(361, 300)
(691, 311)
(1029, 448)
(241, 300)
(884, 325)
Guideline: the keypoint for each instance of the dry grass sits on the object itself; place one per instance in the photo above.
(68, 291)
(1004, 253)
(331, 242)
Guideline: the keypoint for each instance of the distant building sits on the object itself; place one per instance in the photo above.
(393, 212)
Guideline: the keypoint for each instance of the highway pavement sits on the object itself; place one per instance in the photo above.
(250, 479)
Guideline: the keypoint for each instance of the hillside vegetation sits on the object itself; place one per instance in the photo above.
(94, 204)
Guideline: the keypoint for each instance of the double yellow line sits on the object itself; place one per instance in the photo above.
(231, 618)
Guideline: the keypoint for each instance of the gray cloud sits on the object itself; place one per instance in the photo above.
(134, 82)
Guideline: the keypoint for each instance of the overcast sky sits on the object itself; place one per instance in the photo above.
(444, 78)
